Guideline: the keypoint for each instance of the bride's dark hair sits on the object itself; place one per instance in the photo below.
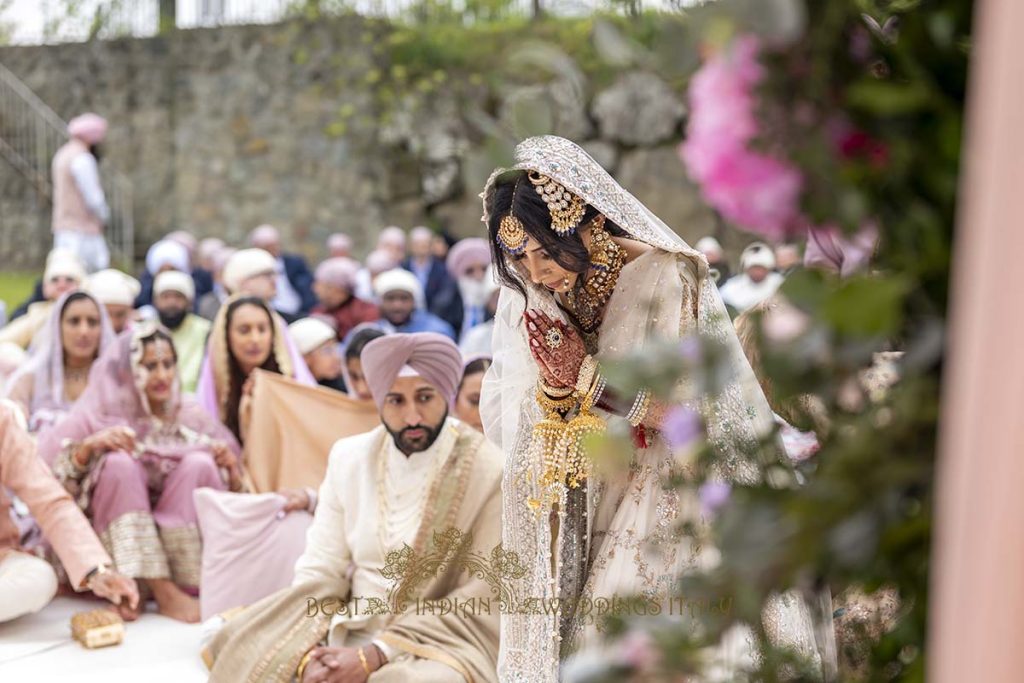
(569, 252)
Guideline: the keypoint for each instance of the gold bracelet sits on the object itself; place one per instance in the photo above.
(556, 392)
(588, 370)
(561, 405)
(302, 664)
(362, 660)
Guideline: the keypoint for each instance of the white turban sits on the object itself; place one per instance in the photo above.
(708, 245)
(167, 253)
(174, 281)
(309, 334)
(63, 262)
(757, 254)
(111, 286)
(398, 279)
(244, 264)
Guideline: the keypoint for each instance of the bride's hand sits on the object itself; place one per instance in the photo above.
(559, 365)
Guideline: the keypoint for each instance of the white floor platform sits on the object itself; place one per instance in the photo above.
(38, 649)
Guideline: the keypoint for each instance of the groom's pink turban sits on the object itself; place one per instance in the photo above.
(432, 356)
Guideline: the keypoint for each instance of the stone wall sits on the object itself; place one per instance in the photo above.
(223, 129)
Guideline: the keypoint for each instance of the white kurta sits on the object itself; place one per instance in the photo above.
(355, 526)
(742, 293)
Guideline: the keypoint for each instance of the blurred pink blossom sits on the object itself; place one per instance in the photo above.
(754, 190)
(638, 651)
(713, 495)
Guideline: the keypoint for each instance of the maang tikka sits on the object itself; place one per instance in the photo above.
(511, 232)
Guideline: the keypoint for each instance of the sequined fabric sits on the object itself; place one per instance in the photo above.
(630, 545)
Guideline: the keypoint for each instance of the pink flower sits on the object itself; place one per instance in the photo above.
(754, 190)
(637, 650)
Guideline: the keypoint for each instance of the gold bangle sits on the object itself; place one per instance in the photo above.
(561, 405)
(362, 660)
(556, 392)
(302, 665)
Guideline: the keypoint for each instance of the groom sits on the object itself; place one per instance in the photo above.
(401, 487)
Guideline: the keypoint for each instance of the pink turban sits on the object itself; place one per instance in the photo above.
(467, 252)
(432, 356)
(338, 271)
(89, 128)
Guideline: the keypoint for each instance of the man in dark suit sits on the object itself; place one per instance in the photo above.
(439, 289)
(294, 280)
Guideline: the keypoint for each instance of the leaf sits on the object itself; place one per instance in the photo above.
(886, 98)
(867, 306)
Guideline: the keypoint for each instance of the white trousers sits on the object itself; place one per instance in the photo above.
(91, 249)
(27, 584)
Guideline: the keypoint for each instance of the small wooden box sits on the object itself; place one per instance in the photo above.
(98, 628)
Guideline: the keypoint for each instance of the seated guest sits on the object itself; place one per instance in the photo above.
(57, 372)
(354, 377)
(717, 261)
(246, 335)
(477, 341)
(173, 293)
(467, 401)
(440, 293)
(131, 453)
(63, 273)
(318, 345)
(117, 292)
(415, 482)
(392, 241)
(208, 304)
(253, 272)
(377, 262)
(294, 295)
(468, 263)
(339, 245)
(27, 583)
(334, 283)
(167, 254)
(756, 283)
(401, 305)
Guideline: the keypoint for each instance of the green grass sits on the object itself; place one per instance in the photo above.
(15, 286)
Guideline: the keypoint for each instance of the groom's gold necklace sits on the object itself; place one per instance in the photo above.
(587, 303)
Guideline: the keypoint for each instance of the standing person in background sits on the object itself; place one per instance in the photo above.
(318, 344)
(439, 289)
(202, 269)
(441, 245)
(80, 209)
(294, 281)
(334, 283)
(173, 293)
(64, 273)
(117, 292)
(468, 263)
(339, 245)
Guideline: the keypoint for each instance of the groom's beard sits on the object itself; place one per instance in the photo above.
(410, 445)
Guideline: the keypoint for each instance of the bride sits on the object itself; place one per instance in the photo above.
(590, 274)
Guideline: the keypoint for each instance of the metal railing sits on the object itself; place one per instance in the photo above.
(108, 19)
(30, 134)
